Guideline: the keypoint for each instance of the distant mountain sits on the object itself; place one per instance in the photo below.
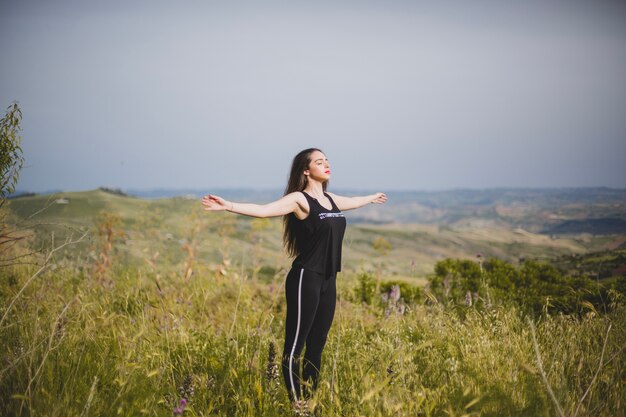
(606, 226)
(531, 209)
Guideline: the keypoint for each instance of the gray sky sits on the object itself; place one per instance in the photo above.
(399, 94)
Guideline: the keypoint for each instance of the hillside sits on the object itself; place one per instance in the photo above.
(457, 225)
(532, 209)
(166, 307)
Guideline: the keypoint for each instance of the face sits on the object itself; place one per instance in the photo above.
(319, 168)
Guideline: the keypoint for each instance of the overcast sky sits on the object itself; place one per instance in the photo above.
(399, 94)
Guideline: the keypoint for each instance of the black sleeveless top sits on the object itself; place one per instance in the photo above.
(319, 238)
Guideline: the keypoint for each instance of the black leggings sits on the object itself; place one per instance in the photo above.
(311, 299)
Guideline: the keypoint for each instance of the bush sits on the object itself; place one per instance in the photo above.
(535, 287)
(411, 294)
(366, 288)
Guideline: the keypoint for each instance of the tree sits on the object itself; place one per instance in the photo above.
(11, 161)
(11, 158)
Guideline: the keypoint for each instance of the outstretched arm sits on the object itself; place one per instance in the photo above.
(291, 203)
(349, 203)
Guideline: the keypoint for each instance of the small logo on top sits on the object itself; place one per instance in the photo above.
(327, 215)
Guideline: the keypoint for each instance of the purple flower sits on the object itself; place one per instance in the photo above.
(179, 410)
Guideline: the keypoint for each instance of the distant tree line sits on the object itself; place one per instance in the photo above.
(116, 191)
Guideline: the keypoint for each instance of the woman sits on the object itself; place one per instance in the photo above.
(313, 232)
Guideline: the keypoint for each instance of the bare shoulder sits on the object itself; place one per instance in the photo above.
(302, 205)
(296, 196)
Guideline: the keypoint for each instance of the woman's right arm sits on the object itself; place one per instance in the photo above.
(291, 203)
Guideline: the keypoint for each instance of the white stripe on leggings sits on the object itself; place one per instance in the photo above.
(295, 340)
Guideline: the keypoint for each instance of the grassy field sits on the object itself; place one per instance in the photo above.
(161, 302)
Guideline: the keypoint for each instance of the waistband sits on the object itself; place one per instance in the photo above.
(297, 269)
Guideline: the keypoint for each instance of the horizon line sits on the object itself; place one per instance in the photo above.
(187, 190)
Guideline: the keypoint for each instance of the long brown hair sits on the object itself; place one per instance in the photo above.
(297, 182)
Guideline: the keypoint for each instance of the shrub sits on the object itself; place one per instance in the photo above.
(535, 287)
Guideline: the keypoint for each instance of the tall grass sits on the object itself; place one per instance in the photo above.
(72, 345)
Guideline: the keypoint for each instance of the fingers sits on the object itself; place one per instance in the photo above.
(207, 199)
(380, 199)
(212, 203)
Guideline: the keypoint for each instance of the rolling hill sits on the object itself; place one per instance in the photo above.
(421, 228)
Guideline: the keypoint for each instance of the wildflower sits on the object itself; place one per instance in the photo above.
(187, 390)
(391, 373)
(392, 297)
(301, 408)
(272, 372)
(394, 294)
(480, 259)
(179, 410)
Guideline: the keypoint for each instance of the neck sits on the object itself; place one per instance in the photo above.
(314, 188)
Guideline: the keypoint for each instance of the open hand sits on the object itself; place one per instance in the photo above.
(379, 198)
(215, 203)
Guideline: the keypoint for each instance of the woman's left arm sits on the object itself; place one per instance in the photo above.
(349, 203)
